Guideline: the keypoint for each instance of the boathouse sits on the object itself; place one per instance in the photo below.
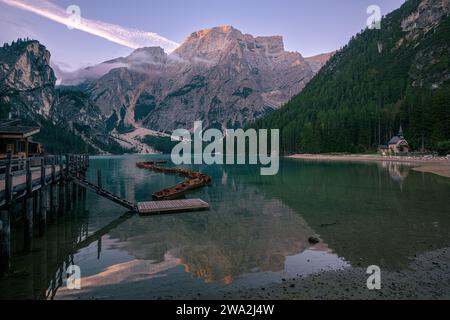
(17, 140)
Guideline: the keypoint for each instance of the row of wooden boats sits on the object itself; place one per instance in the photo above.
(194, 180)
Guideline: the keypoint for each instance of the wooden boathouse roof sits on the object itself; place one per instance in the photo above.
(17, 132)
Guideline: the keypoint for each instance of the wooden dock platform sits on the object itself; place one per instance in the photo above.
(171, 206)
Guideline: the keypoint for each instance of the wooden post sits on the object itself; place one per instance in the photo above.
(85, 168)
(26, 147)
(28, 217)
(69, 196)
(99, 248)
(35, 202)
(61, 188)
(43, 201)
(53, 200)
(67, 166)
(5, 241)
(74, 192)
(84, 163)
(99, 178)
(8, 179)
(5, 221)
(68, 184)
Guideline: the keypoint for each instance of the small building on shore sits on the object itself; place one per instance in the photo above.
(17, 140)
(396, 146)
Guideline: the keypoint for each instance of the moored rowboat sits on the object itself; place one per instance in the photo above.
(195, 180)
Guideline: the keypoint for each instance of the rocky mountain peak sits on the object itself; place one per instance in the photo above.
(209, 44)
(213, 33)
(140, 56)
(219, 75)
(220, 42)
(25, 75)
(147, 55)
(24, 65)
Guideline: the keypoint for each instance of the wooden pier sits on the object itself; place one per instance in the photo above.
(39, 189)
(36, 190)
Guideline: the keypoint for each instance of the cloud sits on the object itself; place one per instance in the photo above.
(128, 37)
(85, 74)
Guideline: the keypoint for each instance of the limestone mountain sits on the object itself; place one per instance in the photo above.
(219, 75)
(27, 81)
(28, 92)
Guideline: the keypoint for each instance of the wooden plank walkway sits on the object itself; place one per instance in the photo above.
(173, 206)
(19, 181)
(35, 174)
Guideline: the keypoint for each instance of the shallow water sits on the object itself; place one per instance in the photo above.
(256, 233)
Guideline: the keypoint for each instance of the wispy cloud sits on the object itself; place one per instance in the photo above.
(128, 37)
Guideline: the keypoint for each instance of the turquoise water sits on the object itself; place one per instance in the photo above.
(256, 233)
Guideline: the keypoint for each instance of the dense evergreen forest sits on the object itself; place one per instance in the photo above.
(369, 88)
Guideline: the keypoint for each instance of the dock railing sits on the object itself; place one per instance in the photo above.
(40, 188)
(11, 169)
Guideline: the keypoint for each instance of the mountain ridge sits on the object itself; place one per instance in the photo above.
(28, 92)
(246, 77)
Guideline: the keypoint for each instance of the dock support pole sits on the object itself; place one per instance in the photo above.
(43, 201)
(35, 202)
(99, 178)
(52, 189)
(81, 175)
(75, 193)
(69, 196)
(68, 184)
(53, 200)
(5, 221)
(5, 241)
(62, 178)
(28, 217)
(74, 185)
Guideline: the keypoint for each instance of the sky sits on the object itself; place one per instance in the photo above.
(112, 28)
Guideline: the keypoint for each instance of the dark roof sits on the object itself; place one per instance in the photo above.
(395, 140)
(19, 130)
(9, 122)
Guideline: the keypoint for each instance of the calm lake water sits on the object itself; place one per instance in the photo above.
(256, 233)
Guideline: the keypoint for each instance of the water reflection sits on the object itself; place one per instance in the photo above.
(397, 171)
(256, 232)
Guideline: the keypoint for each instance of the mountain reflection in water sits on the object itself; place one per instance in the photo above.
(255, 234)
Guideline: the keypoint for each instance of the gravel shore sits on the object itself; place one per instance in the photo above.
(429, 164)
(427, 277)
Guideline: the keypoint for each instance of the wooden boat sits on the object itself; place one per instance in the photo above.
(195, 180)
